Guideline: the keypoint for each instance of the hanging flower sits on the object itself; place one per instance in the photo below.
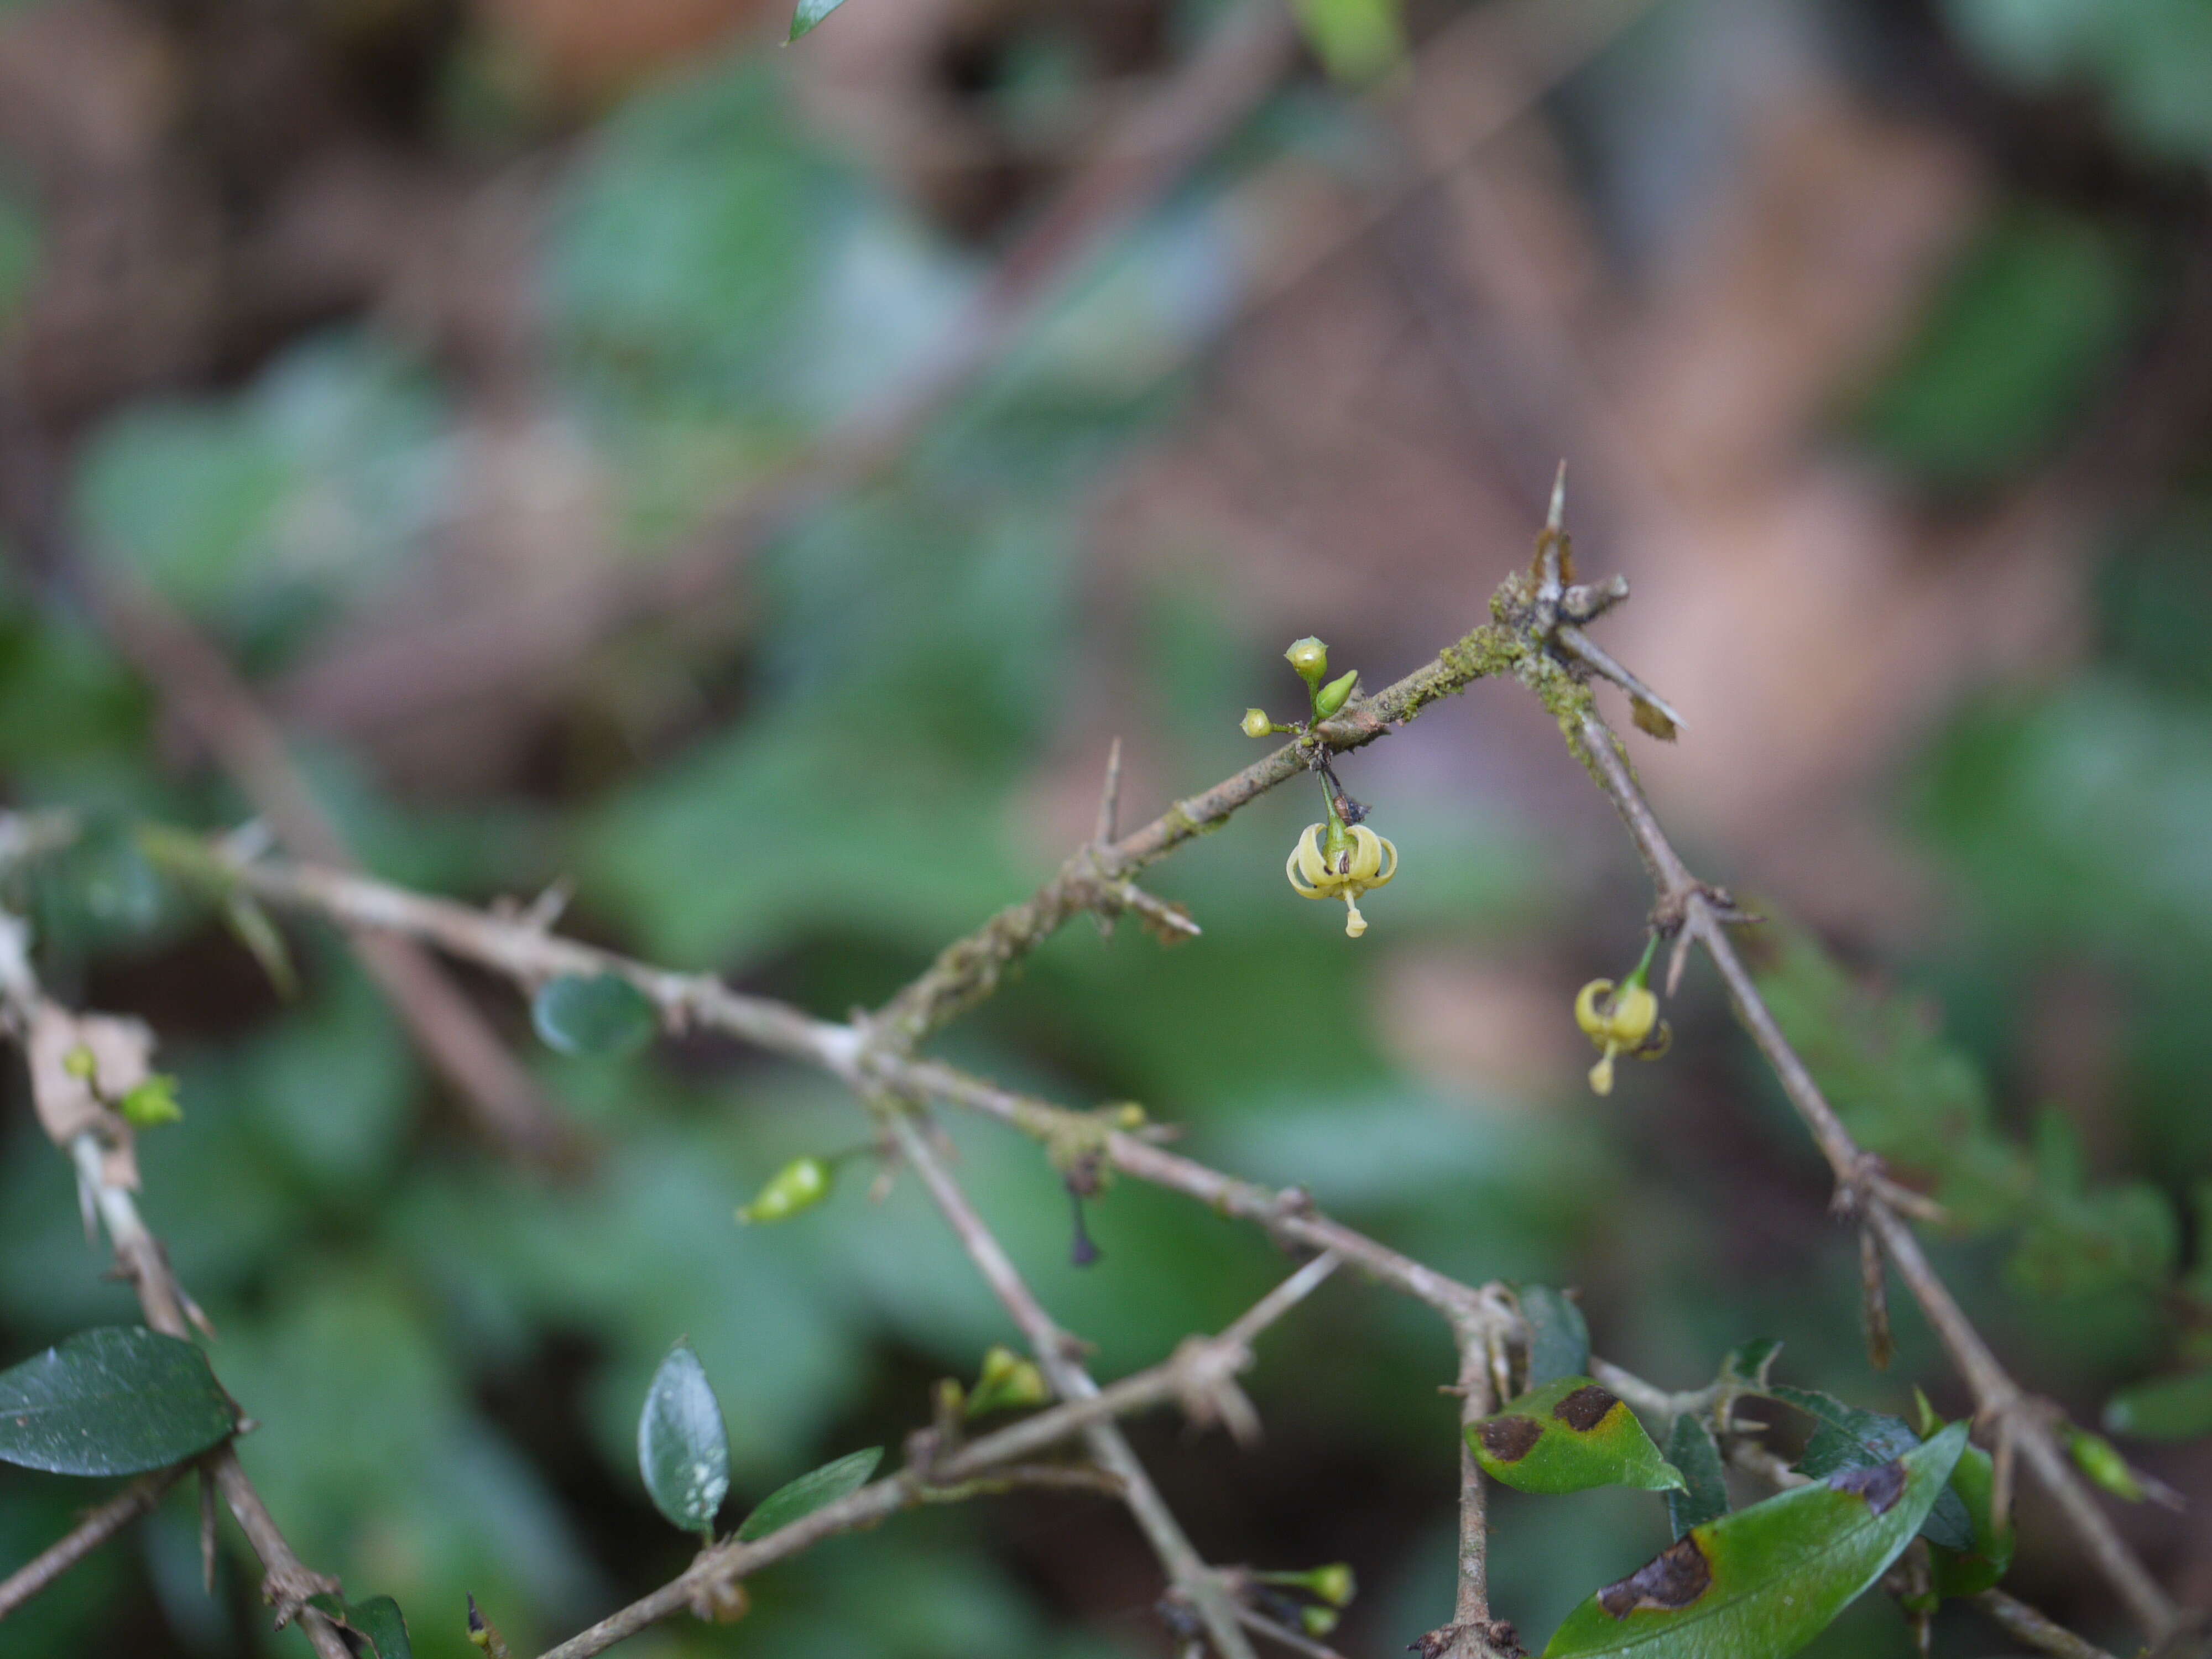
(1332, 860)
(1620, 1021)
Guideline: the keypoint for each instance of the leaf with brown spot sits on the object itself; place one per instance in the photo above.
(1569, 1435)
(1761, 1583)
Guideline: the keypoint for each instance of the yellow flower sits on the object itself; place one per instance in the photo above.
(1626, 1021)
(1357, 867)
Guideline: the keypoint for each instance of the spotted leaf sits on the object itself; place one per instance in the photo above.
(1762, 1581)
(683, 1448)
(1568, 1435)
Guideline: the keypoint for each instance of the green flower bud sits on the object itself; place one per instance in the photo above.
(1318, 1621)
(800, 1185)
(79, 1063)
(1006, 1383)
(153, 1102)
(2100, 1459)
(1333, 1583)
(1333, 696)
(1310, 657)
(1256, 723)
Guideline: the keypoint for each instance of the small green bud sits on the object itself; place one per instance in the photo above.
(2100, 1459)
(79, 1063)
(1318, 1621)
(800, 1185)
(1333, 1583)
(153, 1102)
(1310, 657)
(1930, 1422)
(1006, 1383)
(1333, 696)
(1256, 723)
(1129, 1115)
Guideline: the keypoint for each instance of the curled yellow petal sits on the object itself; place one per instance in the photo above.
(1313, 862)
(1390, 875)
(1595, 1025)
(1366, 854)
(1290, 869)
(1657, 1043)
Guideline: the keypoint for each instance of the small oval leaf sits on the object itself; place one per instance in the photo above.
(374, 1629)
(816, 1489)
(1569, 1435)
(1558, 1337)
(683, 1448)
(1762, 1583)
(601, 1014)
(810, 13)
(1704, 1496)
(120, 1399)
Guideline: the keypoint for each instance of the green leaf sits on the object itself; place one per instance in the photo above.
(1978, 1567)
(1704, 1496)
(1846, 1438)
(1558, 1337)
(1355, 39)
(602, 1014)
(1748, 1363)
(374, 1629)
(683, 1448)
(1569, 1435)
(120, 1399)
(817, 1489)
(1762, 1581)
(2163, 1408)
(808, 15)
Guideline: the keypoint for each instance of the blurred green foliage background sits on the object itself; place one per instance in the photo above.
(899, 726)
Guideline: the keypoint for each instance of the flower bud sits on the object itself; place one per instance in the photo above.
(800, 1185)
(1318, 1621)
(79, 1063)
(153, 1102)
(1256, 723)
(2100, 1459)
(1310, 657)
(1006, 1383)
(1333, 696)
(1333, 1583)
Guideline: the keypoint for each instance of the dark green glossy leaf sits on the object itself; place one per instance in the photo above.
(683, 1448)
(1704, 1496)
(1846, 1438)
(604, 1014)
(1762, 1581)
(1748, 1363)
(374, 1629)
(120, 1400)
(1558, 1337)
(1569, 1435)
(2163, 1408)
(1982, 1563)
(810, 13)
(816, 1489)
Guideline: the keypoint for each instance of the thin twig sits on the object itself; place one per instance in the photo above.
(136, 1499)
(1997, 1396)
(199, 684)
(287, 1582)
(970, 1471)
(1055, 1354)
(2031, 1625)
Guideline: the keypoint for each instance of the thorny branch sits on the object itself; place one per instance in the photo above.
(1200, 1367)
(873, 1055)
(289, 1582)
(136, 1499)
